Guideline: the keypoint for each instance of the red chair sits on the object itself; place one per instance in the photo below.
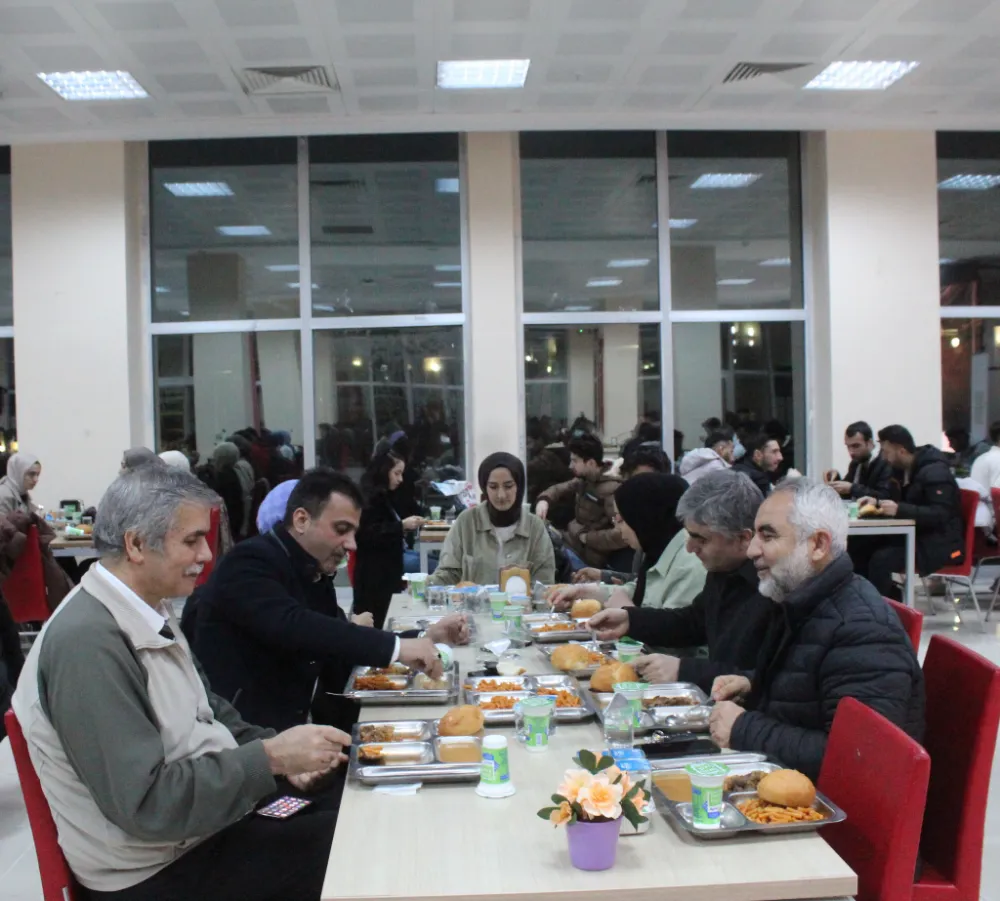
(213, 545)
(963, 713)
(912, 621)
(58, 882)
(962, 573)
(352, 563)
(878, 775)
(24, 589)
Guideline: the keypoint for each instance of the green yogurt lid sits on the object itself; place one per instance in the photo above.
(707, 769)
(629, 686)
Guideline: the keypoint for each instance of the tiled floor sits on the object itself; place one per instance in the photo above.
(19, 870)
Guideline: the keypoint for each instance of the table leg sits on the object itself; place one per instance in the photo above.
(424, 554)
(911, 565)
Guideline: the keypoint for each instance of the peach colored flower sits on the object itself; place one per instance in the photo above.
(600, 798)
(573, 781)
(561, 814)
(612, 772)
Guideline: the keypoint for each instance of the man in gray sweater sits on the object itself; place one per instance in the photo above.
(152, 779)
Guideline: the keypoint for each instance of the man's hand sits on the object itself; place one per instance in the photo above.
(720, 722)
(420, 654)
(657, 668)
(831, 475)
(865, 501)
(452, 629)
(587, 574)
(730, 688)
(619, 598)
(542, 510)
(363, 619)
(609, 624)
(562, 599)
(412, 523)
(888, 508)
(842, 488)
(306, 749)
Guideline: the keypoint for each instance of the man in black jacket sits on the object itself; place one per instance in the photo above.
(832, 637)
(931, 497)
(729, 616)
(869, 474)
(761, 461)
(268, 620)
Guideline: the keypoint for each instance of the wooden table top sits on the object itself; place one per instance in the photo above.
(68, 543)
(874, 521)
(447, 842)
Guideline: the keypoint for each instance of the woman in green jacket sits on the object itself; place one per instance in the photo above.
(498, 532)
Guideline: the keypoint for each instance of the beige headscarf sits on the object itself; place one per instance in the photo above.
(12, 493)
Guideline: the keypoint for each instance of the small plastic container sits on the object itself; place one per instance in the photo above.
(628, 650)
(632, 692)
(707, 782)
(521, 600)
(534, 722)
(494, 774)
(513, 618)
(498, 601)
(418, 585)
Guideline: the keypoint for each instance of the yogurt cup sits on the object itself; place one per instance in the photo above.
(707, 782)
(632, 692)
(494, 772)
(498, 601)
(628, 650)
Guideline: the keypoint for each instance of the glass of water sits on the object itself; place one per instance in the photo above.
(619, 727)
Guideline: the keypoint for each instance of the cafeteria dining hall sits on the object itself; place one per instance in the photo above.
(499, 450)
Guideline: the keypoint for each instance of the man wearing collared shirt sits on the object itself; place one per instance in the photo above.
(149, 775)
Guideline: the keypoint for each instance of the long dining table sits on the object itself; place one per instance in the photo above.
(445, 841)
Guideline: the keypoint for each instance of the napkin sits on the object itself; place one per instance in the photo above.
(407, 788)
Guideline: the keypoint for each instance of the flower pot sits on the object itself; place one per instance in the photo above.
(592, 846)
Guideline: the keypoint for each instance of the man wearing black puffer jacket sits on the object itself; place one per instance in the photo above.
(832, 636)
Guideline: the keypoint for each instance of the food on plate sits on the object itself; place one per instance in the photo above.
(563, 697)
(758, 811)
(585, 608)
(396, 669)
(668, 701)
(381, 734)
(607, 675)
(510, 668)
(371, 753)
(787, 788)
(495, 685)
(466, 585)
(569, 657)
(499, 702)
(459, 752)
(558, 627)
(375, 683)
(745, 783)
(676, 786)
(464, 720)
(425, 683)
(869, 510)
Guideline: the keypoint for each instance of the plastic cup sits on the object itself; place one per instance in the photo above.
(628, 650)
(436, 513)
(633, 694)
(522, 601)
(707, 781)
(512, 617)
(494, 772)
(619, 728)
(418, 586)
(534, 722)
(498, 601)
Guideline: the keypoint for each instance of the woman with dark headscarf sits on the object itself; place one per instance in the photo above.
(498, 532)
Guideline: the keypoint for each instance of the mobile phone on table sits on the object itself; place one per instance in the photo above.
(283, 807)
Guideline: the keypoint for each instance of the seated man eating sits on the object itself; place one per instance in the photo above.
(833, 637)
(150, 776)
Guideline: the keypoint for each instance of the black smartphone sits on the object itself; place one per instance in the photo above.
(283, 807)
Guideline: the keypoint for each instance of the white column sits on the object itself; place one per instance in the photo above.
(493, 336)
(872, 263)
(75, 293)
(580, 371)
(697, 377)
(280, 382)
(223, 402)
(621, 378)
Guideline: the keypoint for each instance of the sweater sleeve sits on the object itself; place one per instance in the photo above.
(109, 730)
(943, 500)
(683, 627)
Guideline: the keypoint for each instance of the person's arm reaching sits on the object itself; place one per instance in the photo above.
(682, 627)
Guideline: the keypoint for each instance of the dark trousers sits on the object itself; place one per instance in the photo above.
(256, 859)
(877, 558)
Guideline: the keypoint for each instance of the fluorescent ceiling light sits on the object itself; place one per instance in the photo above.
(448, 267)
(446, 185)
(603, 282)
(94, 85)
(162, 289)
(447, 284)
(583, 308)
(725, 180)
(944, 261)
(682, 223)
(969, 183)
(734, 282)
(860, 75)
(283, 267)
(243, 231)
(296, 285)
(185, 313)
(776, 262)
(199, 189)
(323, 308)
(627, 264)
(481, 74)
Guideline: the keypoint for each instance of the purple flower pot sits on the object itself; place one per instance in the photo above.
(593, 846)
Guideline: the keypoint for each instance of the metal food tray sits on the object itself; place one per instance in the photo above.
(562, 714)
(406, 730)
(524, 683)
(533, 629)
(426, 620)
(545, 617)
(693, 718)
(417, 761)
(607, 649)
(404, 694)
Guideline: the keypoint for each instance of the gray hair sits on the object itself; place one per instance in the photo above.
(145, 501)
(725, 502)
(816, 508)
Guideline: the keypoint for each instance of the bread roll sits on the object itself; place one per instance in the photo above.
(787, 788)
(869, 510)
(585, 607)
(610, 673)
(569, 657)
(464, 720)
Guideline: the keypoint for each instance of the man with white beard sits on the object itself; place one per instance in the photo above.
(832, 636)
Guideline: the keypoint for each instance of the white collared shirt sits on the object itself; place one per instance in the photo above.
(155, 618)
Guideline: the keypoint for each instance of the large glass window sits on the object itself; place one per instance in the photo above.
(6, 269)
(224, 230)
(372, 383)
(970, 375)
(386, 225)
(735, 232)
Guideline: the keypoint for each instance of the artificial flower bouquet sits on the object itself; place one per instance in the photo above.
(597, 792)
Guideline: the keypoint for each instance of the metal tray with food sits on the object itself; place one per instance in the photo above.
(374, 686)
(670, 707)
(498, 707)
(435, 760)
(559, 630)
(745, 771)
(531, 683)
(548, 617)
(596, 655)
(391, 731)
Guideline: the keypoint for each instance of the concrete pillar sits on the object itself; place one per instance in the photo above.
(223, 401)
(621, 377)
(697, 377)
(581, 354)
(281, 382)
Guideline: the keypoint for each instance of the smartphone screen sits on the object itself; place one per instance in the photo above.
(283, 808)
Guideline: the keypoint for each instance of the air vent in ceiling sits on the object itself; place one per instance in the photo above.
(283, 80)
(747, 71)
(348, 230)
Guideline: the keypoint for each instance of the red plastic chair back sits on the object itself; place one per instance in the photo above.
(970, 501)
(352, 562)
(878, 775)
(213, 545)
(24, 589)
(58, 883)
(912, 621)
(963, 712)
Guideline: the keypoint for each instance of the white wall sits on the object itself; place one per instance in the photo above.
(873, 259)
(581, 372)
(72, 301)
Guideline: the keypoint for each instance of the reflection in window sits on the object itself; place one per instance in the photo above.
(6, 270)
(210, 386)
(606, 376)
(735, 223)
(224, 230)
(374, 383)
(970, 375)
(386, 234)
(749, 374)
(8, 401)
(588, 216)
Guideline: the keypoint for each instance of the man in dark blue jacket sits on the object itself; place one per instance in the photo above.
(832, 636)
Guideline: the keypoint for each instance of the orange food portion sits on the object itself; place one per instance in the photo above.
(559, 627)
(374, 683)
(371, 752)
(771, 814)
(494, 685)
(563, 697)
(500, 702)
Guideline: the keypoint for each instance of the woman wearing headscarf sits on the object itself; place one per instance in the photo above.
(378, 570)
(496, 533)
(176, 459)
(244, 472)
(23, 471)
(226, 484)
(272, 508)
